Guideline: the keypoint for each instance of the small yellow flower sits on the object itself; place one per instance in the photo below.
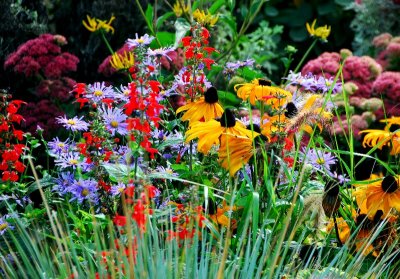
(205, 19)
(180, 8)
(94, 24)
(122, 62)
(321, 32)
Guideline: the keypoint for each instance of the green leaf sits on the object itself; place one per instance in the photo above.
(326, 8)
(117, 172)
(249, 74)
(298, 34)
(216, 6)
(163, 18)
(228, 99)
(149, 14)
(166, 38)
(271, 11)
(231, 4)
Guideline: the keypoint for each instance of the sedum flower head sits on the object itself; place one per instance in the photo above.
(94, 24)
(321, 32)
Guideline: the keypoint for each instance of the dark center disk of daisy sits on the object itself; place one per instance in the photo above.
(363, 221)
(291, 110)
(264, 82)
(228, 119)
(256, 128)
(389, 184)
(211, 95)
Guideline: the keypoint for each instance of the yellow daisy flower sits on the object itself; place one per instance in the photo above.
(235, 152)
(122, 62)
(94, 24)
(180, 8)
(205, 19)
(380, 194)
(321, 32)
(261, 90)
(209, 133)
(204, 109)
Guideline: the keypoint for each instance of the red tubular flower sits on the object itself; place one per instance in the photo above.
(186, 41)
(119, 220)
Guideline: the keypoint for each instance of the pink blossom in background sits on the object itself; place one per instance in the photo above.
(42, 56)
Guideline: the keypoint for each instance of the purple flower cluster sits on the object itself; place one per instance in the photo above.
(320, 160)
(313, 83)
(231, 67)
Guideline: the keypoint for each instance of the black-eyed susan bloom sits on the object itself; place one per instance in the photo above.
(384, 137)
(262, 90)
(380, 194)
(204, 109)
(209, 133)
(234, 152)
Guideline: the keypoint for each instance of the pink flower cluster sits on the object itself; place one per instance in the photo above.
(43, 56)
(59, 89)
(362, 71)
(42, 114)
(388, 48)
(387, 86)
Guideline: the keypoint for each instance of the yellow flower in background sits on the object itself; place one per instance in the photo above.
(204, 109)
(122, 61)
(321, 32)
(94, 24)
(205, 19)
(180, 8)
(262, 90)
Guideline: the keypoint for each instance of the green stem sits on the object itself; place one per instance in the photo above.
(305, 55)
(106, 42)
(149, 24)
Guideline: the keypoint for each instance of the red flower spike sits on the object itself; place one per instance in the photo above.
(119, 220)
(186, 41)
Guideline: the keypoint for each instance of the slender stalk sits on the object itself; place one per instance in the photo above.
(106, 41)
(305, 55)
(149, 24)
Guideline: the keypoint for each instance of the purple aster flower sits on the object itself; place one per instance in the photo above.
(73, 124)
(64, 181)
(115, 120)
(4, 226)
(84, 189)
(319, 159)
(159, 52)
(122, 93)
(117, 189)
(69, 160)
(232, 67)
(57, 146)
(142, 41)
(98, 91)
(324, 85)
(295, 78)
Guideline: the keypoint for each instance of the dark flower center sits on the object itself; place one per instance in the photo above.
(256, 128)
(264, 82)
(291, 110)
(389, 184)
(211, 95)
(364, 222)
(228, 119)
